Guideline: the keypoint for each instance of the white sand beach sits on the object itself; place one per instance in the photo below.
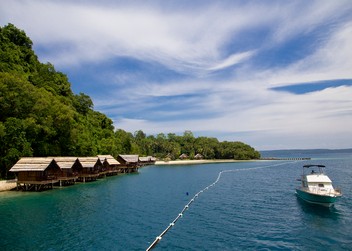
(6, 185)
(203, 161)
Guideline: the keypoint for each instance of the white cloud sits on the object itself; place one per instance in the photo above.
(300, 17)
(333, 60)
(232, 60)
(185, 40)
(189, 41)
(323, 117)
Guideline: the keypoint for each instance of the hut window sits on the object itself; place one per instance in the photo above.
(321, 185)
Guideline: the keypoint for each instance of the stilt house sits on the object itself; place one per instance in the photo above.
(70, 169)
(36, 173)
(149, 160)
(91, 168)
(110, 165)
(129, 162)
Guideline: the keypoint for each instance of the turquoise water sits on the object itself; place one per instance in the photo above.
(254, 208)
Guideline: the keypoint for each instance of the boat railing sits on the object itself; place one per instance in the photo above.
(320, 190)
(327, 191)
(338, 191)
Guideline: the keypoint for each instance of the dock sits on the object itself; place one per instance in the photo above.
(288, 158)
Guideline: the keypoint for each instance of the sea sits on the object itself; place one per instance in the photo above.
(249, 206)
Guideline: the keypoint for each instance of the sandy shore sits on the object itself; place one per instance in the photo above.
(6, 185)
(190, 162)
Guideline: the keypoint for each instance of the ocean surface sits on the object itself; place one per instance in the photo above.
(251, 207)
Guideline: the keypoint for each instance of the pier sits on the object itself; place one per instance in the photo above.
(289, 158)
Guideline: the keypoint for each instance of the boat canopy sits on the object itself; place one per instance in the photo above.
(318, 179)
(308, 166)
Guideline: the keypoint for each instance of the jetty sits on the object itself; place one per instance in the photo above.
(286, 158)
(42, 173)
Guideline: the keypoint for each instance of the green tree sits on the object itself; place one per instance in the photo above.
(16, 51)
(83, 103)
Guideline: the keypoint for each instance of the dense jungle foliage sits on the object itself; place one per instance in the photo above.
(41, 116)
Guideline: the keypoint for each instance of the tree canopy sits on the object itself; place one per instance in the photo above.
(41, 116)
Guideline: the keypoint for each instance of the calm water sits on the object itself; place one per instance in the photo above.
(250, 209)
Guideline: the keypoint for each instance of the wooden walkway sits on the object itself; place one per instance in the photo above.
(290, 158)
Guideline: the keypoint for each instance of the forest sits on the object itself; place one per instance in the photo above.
(41, 116)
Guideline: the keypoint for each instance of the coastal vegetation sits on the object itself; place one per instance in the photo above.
(41, 116)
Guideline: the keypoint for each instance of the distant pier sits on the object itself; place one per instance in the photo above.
(290, 158)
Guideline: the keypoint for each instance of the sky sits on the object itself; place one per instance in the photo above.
(272, 74)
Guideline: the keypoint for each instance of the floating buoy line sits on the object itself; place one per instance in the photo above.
(159, 237)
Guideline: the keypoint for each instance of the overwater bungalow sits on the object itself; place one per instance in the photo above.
(110, 165)
(36, 173)
(70, 169)
(129, 162)
(149, 160)
(91, 168)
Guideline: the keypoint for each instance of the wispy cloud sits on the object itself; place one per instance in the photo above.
(183, 40)
(232, 60)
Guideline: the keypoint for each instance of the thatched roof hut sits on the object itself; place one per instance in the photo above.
(183, 156)
(127, 159)
(91, 168)
(110, 165)
(198, 156)
(149, 160)
(70, 168)
(36, 173)
(130, 162)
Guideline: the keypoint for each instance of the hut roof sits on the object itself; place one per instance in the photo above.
(147, 159)
(88, 162)
(144, 159)
(65, 162)
(111, 160)
(130, 158)
(198, 156)
(32, 164)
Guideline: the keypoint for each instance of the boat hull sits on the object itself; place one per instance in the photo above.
(325, 200)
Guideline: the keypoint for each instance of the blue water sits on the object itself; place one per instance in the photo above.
(254, 208)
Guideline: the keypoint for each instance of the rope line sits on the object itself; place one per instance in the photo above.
(159, 237)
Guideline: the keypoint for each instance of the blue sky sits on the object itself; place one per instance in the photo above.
(273, 74)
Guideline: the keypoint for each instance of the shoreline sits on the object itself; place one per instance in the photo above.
(195, 162)
(7, 185)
